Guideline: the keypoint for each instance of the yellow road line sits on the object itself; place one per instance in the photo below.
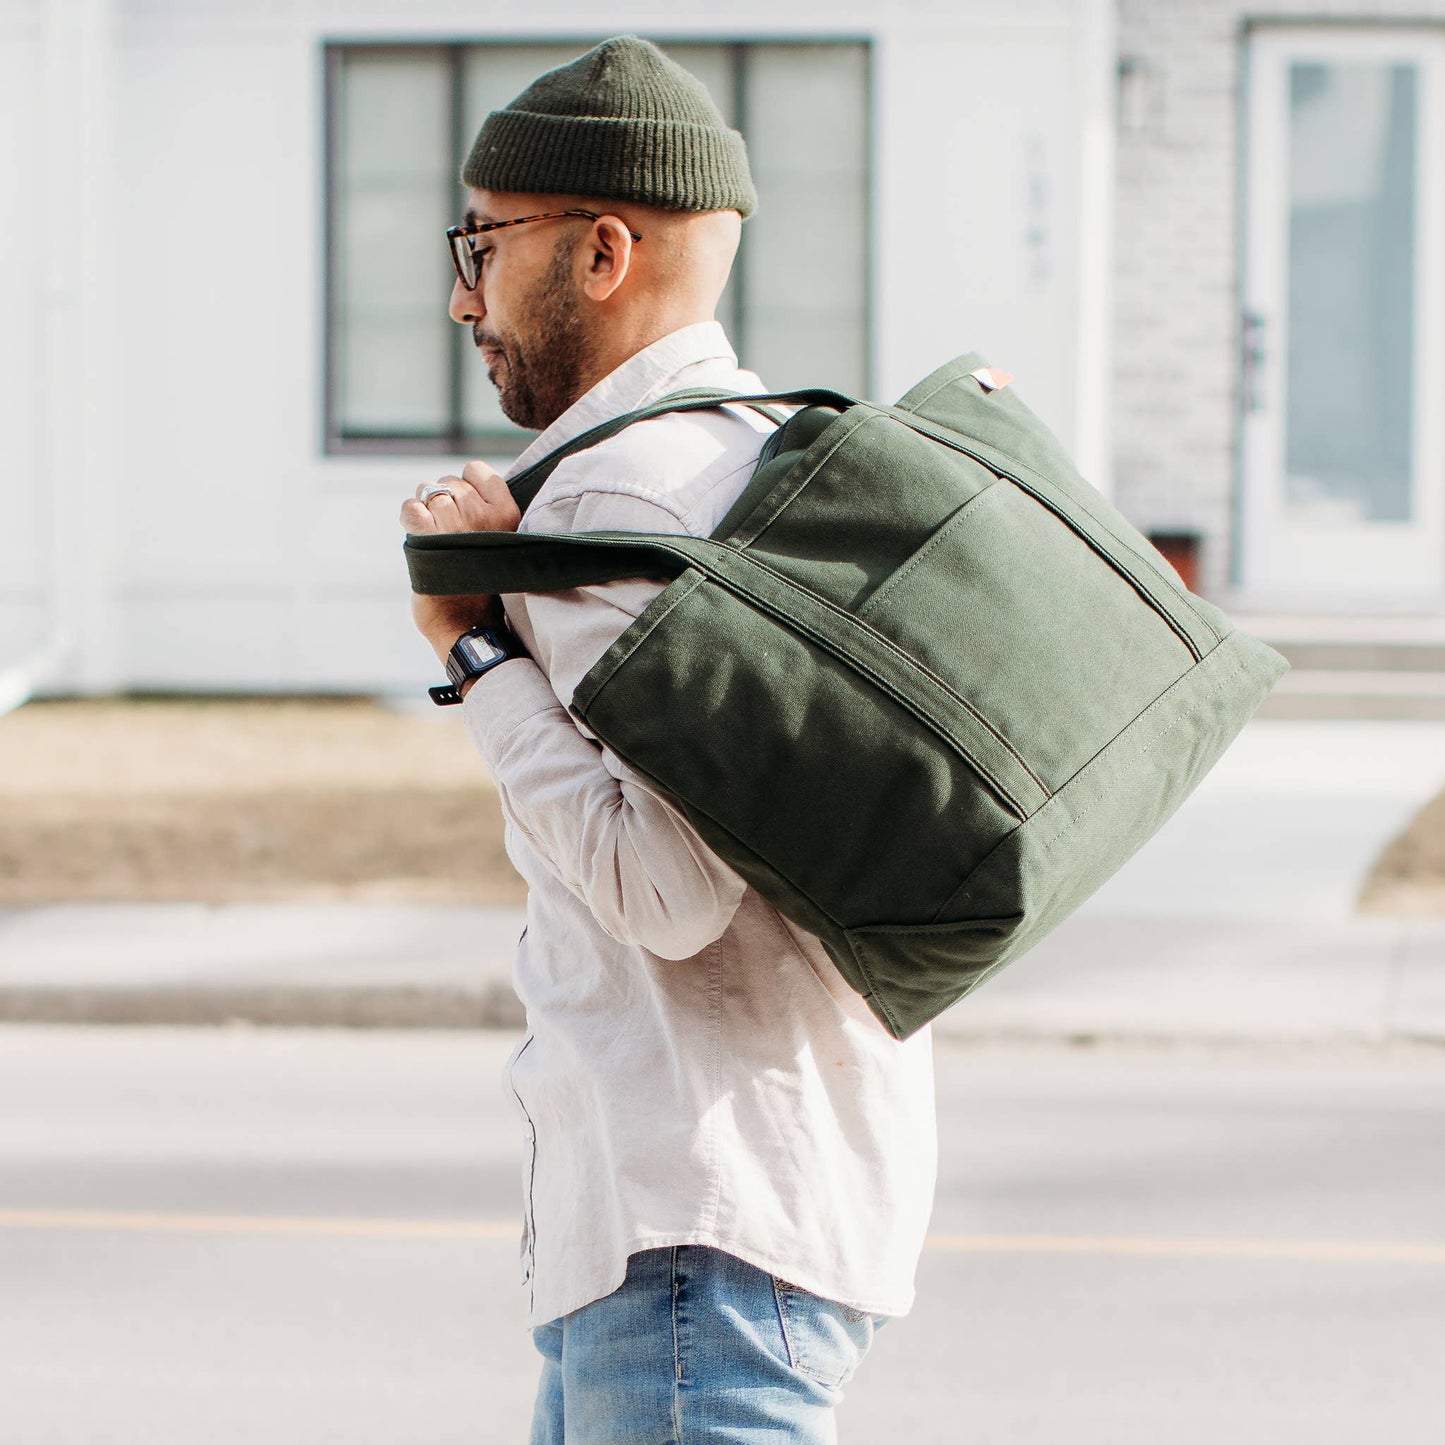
(1321, 1251)
(152, 1223)
(1316, 1251)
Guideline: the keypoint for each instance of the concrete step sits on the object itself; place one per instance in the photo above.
(1381, 695)
(1387, 629)
(1375, 668)
(1357, 657)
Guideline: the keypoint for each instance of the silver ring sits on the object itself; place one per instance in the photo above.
(435, 489)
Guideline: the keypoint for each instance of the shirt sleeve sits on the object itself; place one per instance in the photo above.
(618, 842)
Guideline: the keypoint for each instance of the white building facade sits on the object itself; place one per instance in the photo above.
(226, 357)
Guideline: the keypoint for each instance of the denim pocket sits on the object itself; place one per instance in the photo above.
(826, 1341)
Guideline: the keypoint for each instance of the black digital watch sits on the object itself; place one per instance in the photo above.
(473, 653)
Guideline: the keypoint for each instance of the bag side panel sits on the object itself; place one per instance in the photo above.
(913, 974)
(1049, 865)
(1086, 832)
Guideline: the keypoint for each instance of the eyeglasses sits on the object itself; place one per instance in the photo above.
(468, 258)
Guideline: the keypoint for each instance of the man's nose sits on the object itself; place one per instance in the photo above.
(466, 307)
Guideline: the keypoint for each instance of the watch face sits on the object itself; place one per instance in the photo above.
(478, 651)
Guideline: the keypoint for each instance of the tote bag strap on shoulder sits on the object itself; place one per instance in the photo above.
(526, 484)
(442, 563)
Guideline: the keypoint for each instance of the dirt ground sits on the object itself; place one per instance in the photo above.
(1409, 876)
(222, 801)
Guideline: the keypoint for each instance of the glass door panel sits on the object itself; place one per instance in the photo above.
(1352, 293)
(1343, 466)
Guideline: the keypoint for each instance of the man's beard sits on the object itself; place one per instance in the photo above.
(540, 374)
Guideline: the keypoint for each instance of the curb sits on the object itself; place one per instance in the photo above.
(496, 1006)
(1359, 981)
(395, 1007)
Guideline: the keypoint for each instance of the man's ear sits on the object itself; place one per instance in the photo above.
(608, 258)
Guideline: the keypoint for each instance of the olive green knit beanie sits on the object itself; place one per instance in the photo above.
(622, 122)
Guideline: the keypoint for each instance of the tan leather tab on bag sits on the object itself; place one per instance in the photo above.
(990, 378)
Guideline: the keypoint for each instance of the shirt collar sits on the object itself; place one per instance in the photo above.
(645, 376)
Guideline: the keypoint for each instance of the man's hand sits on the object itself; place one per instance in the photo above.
(476, 501)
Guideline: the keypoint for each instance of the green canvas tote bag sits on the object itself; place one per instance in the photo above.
(924, 688)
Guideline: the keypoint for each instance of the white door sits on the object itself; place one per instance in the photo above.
(1344, 468)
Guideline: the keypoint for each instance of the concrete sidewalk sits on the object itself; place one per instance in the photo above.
(343, 964)
(1236, 923)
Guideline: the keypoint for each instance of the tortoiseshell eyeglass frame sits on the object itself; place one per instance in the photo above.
(464, 255)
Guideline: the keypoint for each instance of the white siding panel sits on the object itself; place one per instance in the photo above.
(350, 638)
(239, 548)
(215, 641)
(217, 316)
(977, 202)
(25, 560)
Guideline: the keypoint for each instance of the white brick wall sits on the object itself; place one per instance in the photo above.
(1177, 266)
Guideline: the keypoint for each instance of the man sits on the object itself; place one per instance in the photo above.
(730, 1163)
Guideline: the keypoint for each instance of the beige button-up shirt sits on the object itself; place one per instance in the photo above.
(695, 1070)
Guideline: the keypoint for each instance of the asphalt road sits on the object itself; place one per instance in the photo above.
(210, 1237)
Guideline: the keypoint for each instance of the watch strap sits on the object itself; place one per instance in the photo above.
(461, 669)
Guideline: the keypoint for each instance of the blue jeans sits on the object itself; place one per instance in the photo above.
(697, 1346)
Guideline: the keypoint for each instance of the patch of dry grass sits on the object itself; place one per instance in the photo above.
(218, 801)
(1409, 876)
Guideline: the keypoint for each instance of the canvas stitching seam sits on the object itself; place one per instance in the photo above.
(944, 528)
(745, 538)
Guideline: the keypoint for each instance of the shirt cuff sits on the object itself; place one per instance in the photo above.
(501, 700)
